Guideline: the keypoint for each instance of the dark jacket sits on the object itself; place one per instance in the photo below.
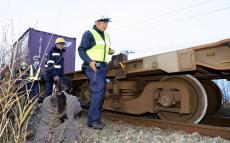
(54, 63)
(87, 42)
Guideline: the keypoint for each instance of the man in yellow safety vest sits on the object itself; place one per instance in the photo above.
(94, 50)
(34, 76)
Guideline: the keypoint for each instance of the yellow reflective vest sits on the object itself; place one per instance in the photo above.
(100, 51)
(34, 76)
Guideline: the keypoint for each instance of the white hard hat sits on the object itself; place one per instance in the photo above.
(103, 18)
(36, 58)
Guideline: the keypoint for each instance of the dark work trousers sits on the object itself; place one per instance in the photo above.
(49, 87)
(97, 86)
(34, 87)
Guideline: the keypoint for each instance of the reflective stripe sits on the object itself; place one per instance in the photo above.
(50, 61)
(55, 54)
(37, 74)
(57, 66)
(31, 72)
(46, 66)
(32, 77)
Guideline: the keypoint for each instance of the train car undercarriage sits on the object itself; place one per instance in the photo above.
(177, 86)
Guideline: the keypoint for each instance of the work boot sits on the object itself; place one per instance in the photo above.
(40, 99)
(102, 123)
(97, 125)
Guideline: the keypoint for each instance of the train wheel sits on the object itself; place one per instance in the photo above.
(85, 94)
(198, 100)
(215, 97)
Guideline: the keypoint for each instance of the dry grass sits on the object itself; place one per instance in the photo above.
(15, 104)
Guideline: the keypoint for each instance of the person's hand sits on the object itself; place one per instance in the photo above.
(56, 78)
(92, 64)
(111, 51)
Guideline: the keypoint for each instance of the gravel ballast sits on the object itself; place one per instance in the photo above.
(119, 132)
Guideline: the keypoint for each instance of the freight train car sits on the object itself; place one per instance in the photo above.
(37, 43)
(177, 86)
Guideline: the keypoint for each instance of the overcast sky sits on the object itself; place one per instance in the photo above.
(143, 26)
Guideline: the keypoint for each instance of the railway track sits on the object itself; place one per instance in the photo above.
(217, 121)
(206, 130)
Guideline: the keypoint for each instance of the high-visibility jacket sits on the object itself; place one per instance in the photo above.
(34, 73)
(100, 51)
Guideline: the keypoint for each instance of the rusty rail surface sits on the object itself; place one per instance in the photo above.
(206, 130)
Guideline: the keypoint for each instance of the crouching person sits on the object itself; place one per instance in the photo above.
(57, 123)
